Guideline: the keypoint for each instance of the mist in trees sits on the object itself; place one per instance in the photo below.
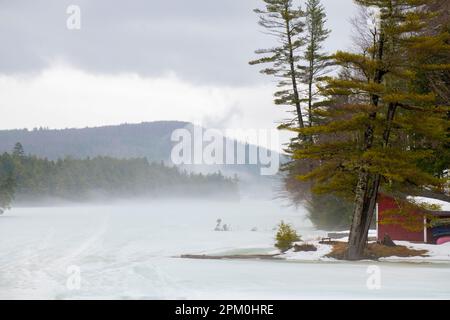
(300, 65)
(7, 188)
(31, 179)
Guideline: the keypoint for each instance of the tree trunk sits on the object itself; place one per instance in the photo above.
(310, 84)
(366, 199)
(356, 242)
(370, 210)
(367, 187)
(293, 73)
(373, 196)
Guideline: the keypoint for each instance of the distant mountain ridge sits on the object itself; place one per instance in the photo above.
(151, 140)
(147, 139)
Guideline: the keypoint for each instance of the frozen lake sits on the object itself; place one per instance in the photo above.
(128, 251)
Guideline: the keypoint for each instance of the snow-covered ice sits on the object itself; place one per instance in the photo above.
(129, 251)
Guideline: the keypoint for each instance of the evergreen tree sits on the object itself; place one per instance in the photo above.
(7, 182)
(301, 64)
(285, 23)
(317, 62)
(6, 193)
(384, 124)
(315, 65)
(34, 179)
(328, 212)
(18, 150)
(438, 82)
(286, 236)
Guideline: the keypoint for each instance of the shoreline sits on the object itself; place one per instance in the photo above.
(279, 258)
(434, 255)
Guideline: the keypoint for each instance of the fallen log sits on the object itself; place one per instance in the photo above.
(232, 256)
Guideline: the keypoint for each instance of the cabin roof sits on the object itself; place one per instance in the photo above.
(444, 205)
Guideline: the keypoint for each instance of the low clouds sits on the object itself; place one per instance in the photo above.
(203, 41)
(140, 60)
(63, 96)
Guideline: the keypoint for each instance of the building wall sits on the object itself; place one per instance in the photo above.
(396, 231)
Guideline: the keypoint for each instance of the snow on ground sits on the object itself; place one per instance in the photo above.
(319, 255)
(129, 251)
(436, 253)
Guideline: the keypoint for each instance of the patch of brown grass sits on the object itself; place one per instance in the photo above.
(304, 247)
(374, 251)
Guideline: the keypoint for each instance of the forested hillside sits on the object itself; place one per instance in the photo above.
(150, 140)
(36, 179)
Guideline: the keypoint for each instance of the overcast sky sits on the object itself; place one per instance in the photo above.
(140, 60)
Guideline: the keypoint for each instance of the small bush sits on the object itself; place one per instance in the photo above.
(286, 236)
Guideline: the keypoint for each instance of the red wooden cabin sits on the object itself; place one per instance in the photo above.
(397, 231)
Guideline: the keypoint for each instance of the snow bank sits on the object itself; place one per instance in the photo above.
(319, 255)
(436, 253)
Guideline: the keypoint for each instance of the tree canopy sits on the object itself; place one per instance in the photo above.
(35, 179)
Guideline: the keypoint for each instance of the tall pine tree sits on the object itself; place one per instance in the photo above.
(317, 62)
(285, 22)
(384, 123)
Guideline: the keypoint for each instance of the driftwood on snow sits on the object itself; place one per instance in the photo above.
(232, 256)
